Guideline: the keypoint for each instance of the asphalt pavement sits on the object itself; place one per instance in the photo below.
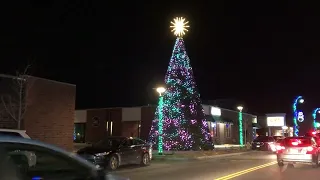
(251, 165)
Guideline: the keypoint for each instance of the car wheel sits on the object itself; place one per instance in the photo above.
(113, 163)
(280, 163)
(315, 164)
(145, 159)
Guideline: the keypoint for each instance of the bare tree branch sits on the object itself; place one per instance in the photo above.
(15, 103)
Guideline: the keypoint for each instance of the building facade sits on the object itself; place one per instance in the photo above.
(274, 124)
(92, 125)
(49, 109)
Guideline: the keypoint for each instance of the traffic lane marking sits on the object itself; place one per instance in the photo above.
(233, 175)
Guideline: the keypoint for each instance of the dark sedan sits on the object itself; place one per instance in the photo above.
(265, 143)
(113, 152)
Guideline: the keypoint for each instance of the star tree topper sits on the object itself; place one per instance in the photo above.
(179, 26)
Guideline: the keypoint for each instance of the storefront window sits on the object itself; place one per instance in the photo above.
(79, 133)
(228, 130)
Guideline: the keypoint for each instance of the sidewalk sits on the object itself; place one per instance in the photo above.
(198, 155)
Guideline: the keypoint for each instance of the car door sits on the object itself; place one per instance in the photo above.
(49, 164)
(127, 152)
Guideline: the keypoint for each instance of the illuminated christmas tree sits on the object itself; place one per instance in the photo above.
(184, 126)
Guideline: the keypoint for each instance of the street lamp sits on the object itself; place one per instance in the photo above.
(300, 100)
(160, 90)
(240, 108)
(314, 115)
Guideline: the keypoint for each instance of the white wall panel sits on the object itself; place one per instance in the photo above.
(80, 116)
(206, 109)
(131, 114)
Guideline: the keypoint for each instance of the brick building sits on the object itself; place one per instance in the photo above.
(91, 125)
(49, 105)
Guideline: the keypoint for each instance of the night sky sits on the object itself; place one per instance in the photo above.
(260, 54)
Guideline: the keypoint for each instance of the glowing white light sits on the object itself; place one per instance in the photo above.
(161, 90)
(240, 108)
(179, 26)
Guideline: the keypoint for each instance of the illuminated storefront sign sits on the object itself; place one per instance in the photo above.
(215, 111)
(275, 121)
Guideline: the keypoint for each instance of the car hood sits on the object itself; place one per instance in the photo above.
(94, 150)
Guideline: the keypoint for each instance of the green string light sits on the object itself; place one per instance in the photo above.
(240, 129)
(160, 125)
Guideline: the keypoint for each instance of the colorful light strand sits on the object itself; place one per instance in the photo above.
(160, 125)
(314, 115)
(294, 107)
(184, 123)
(240, 128)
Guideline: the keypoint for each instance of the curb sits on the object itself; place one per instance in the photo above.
(166, 158)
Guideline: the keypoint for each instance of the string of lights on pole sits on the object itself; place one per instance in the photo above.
(314, 115)
(298, 115)
(240, 108)
(160, 90)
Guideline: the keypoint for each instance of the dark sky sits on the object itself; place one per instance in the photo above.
(262, 54)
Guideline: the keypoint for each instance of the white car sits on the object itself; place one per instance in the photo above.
(32, 159)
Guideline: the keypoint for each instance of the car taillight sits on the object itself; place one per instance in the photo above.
(279, 148)
(309, 148)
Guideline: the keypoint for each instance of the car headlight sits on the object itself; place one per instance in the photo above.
(102, 154)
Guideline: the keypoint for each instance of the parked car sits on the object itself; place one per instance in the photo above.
(52, 162)
(298, 150)
(113, 152)
(264, 143)
(20, 134)
(14, 133)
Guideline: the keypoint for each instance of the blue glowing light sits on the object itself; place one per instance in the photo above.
(295, 114)
(314, 115)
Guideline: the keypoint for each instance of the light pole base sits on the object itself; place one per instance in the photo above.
(160, 153)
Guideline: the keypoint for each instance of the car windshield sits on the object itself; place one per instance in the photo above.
(262, 139)
(112, 142)
(297, 142)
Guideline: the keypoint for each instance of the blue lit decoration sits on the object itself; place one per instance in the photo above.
(299, 99)
(300, 116)
(37, 178)
(314, 115)
(74, 134)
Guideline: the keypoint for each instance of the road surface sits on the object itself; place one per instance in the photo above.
(253, 165)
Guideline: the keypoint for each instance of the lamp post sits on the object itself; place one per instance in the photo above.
(160, 90)
(240, 108)
(314, 115)
(299, 100)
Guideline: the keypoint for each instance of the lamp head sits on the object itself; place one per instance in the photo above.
(161, 90)
(301, 101)
(240, 108)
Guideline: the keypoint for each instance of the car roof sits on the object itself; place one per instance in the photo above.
(8, 139)
(12, 130)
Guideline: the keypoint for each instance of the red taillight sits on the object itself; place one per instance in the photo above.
(309, 148)
(314, 133)
(279, 148)
(295, 143)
